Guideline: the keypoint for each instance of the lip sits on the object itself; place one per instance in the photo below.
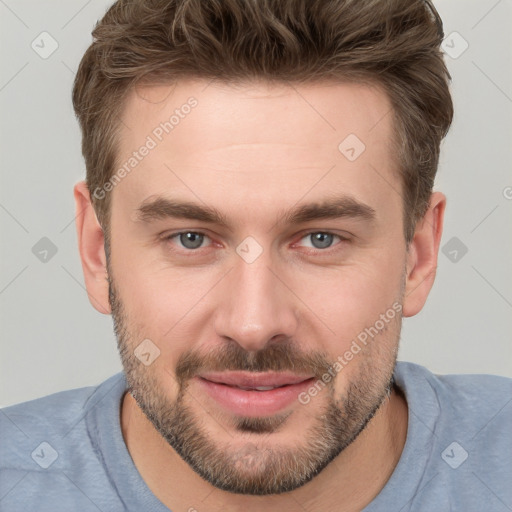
(255, 379)
(253, 403)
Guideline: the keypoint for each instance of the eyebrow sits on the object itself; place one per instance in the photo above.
(344, 206)
(159, 208)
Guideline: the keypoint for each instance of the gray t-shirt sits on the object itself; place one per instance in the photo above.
(65, 452)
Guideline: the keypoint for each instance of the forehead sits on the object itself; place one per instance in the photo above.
(324, 108)
(266, 138)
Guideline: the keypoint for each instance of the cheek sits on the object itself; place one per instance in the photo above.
(366, 354)
(352, 297)
(154, 294)
(171, 307)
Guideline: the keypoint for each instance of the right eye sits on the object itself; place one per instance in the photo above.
(190, 240)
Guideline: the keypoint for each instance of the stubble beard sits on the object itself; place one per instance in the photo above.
(258, 466)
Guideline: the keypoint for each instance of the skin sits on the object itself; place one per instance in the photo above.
(254, 152)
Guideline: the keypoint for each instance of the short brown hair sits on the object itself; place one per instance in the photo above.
(394, 43)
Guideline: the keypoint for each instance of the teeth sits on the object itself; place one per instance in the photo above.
(259, 388)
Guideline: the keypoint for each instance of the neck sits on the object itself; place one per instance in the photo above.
(349, 483)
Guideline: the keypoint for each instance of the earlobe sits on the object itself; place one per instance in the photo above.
(422, 256)
(92, 251)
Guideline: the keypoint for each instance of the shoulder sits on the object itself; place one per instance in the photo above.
(56, 409)
(459, 440)
(56, 412)
(49, 453)
(467, 404)
(469, 398)
(33, 430)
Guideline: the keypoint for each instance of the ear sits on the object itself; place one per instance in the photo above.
(422, 256)
(92, 251)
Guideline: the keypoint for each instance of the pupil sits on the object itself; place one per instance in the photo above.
(191, 240)
(321, 240)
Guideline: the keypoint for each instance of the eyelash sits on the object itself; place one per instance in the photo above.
(309, 233)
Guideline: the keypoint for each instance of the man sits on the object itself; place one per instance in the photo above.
(258, 217)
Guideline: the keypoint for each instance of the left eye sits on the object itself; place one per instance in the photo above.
(190, 239)
(320, 239)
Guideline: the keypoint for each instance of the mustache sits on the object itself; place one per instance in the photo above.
(281, 356)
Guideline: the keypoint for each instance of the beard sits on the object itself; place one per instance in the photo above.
(259, 466)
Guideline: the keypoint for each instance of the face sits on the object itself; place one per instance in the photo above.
(256, 272)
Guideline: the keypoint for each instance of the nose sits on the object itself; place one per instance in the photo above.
(255, 306)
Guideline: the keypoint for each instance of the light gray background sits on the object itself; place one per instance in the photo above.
(52, 338)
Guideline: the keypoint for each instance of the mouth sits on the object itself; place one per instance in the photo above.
(254, 394)
(255, 380)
